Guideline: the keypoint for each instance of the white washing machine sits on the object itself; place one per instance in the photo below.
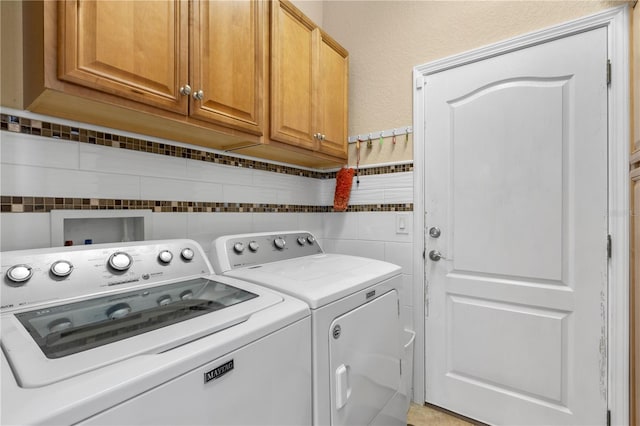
(356, 329)
(145, 333)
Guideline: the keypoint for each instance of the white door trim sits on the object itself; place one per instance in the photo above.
(616, 20)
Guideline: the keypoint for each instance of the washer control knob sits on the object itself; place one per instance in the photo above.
(279, 242)
(120, 261)
(311, 239)
(238, 247)
(164, 300)
(187, 254)
(61, 268)
(301, 240)
(254, 246)
(19, 274)
(165, 256)
(119, 310)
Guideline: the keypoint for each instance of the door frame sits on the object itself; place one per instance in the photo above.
(616, 20)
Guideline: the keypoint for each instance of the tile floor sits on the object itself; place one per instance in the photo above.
(420, 415)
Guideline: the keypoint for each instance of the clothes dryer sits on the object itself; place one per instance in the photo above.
(355, 320)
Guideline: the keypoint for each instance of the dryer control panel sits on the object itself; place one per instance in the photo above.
(239, 251)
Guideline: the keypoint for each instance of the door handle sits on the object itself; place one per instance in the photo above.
(435, 255)
(343, 390)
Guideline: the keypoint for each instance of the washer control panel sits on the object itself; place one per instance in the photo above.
(41, 275)
(245, 250)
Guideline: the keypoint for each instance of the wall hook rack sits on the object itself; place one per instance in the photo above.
(382, 134)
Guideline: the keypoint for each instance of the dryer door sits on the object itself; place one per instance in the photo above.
(365, 360)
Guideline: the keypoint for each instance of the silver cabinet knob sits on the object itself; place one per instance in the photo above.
(185, 90)
(435, 255)
(434, 232)
(199, 95)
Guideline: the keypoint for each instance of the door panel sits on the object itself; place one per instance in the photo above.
(229, 63)
(516, 178)
(133, 49)
(334, 75)
(365, 360)
(292, 77)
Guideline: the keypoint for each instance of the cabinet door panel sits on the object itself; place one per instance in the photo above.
(292, 76)
(332, 97)
(229, 63)
(133, 49)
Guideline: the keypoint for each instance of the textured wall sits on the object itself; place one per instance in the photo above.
(386, 39)
(11, 58)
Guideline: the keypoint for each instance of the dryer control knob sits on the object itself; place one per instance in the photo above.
(187, 254)
(19, 274)
(311, 239)
(279, 242)
(238, 247)
(254, 246)
(165, 256)
(301, 240)
(61, 268)
(120, 261)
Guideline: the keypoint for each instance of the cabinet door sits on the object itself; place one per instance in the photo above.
(229, 63)
(292, 76)
(332, 97)
(133, 49)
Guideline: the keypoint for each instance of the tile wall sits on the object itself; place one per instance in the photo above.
(48, 163)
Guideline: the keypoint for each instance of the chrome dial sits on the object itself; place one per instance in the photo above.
(311, 239)
(165, 256)
(120, 261)
(186, 295)
(280, 243)
(61, 268)
(301, 240)
(238, 247)
(19, 274)
(187, 254)
(254, 246)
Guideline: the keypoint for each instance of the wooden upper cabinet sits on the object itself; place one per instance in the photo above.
(212, 67)
(229, 63)
(136, 50)
(293, 40)
(309, 74)
(332, 97)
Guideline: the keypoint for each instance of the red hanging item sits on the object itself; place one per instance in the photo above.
(344, 180)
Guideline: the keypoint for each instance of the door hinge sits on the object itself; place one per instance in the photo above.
(608, 417)
(608, 71)
(608, 246)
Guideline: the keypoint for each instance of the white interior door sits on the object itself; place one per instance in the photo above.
(516, 181)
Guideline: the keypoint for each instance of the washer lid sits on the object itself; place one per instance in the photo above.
(55, 342)
(319, 279)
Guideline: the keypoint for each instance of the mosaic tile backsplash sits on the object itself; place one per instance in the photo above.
(27, 203)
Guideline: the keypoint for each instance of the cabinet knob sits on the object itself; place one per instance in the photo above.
(185, 90)
(199, 95)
